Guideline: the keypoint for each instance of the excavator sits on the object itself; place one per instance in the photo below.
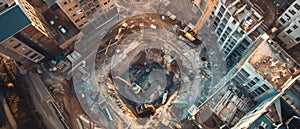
(144, 107)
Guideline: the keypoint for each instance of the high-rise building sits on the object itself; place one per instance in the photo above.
(280, 111)
(289, 15)
(233, 105)
(22, 31)
(29, 36)
(80, 12)
(289, 23)
(262, 73)
(237, 26)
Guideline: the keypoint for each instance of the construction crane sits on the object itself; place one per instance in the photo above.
(205, 14)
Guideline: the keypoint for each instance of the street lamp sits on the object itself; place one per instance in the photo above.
(290, 119)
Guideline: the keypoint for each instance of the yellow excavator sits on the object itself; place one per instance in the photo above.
(135, 87)
(144, 107)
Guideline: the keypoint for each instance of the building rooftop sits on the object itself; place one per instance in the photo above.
(233, 105)
(275, 110)
(274, 113)
(12, 21)
(274, 64)
(270, 9)
(245, 15)
(249, 22)
(61, 28)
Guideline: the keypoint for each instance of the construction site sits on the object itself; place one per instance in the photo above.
(146, 67)
(148, 64)
(142, 70)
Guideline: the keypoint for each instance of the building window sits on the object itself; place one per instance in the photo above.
(265, 87)
(11, 40)
(28, 53)
(70, 9)
(17, 46)
(282, 20)
(80, 25)
(288, 16)
(289, 31)
(32, 56)
(255, 79)
(217, 19)
(219, 14)
(298, 39)
(76, 6)
(38, 59)
(251, 83)
(222, 9)
(246, 74)
(233, 22)
(83, 17)
(77, 20)
(79, 12)
(215, 24)
(227, 15)
(297, 6)
(295, 26)
(257, 91)
(65, 3)
(97, 6)
(74, 14)
(261, 90)
(292, 12)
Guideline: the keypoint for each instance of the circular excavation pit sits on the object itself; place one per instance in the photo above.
(152, 77)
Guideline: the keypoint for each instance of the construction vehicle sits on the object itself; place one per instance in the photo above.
(119, 35)
(144, 107)
(191, 36)
(189, 32)
(124, 26)
(135, 87)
